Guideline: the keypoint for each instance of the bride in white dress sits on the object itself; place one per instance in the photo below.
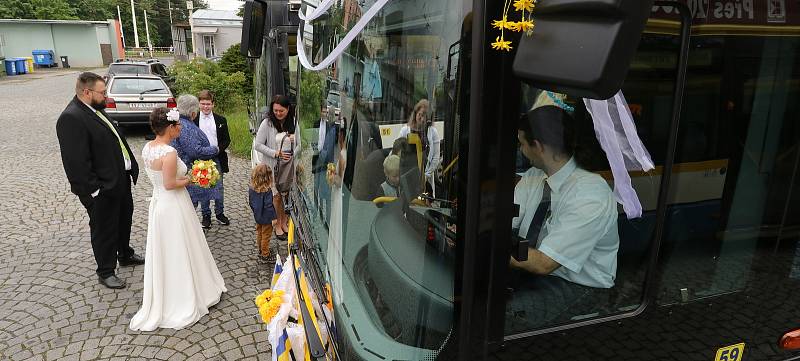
(181, 279)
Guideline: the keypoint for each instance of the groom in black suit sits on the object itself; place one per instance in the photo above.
(100, 167)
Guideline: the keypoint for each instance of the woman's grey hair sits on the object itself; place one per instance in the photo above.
(188, 104)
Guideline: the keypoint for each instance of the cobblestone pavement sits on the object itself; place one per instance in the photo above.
(51, 305)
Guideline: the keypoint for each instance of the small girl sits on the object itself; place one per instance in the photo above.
(391, 168)
(261, 204)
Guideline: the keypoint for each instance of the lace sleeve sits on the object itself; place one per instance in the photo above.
(151, 153)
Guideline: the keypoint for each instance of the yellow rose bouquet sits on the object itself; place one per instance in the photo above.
(205, 173)
(330, 173)
(269, 302)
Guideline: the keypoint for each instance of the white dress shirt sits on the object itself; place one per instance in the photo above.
(581, 231)
(209, 128)
(322, 129)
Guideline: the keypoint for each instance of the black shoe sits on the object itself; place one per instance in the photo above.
(224, 220)
(112, 282)
(206, 222)
(131, 260)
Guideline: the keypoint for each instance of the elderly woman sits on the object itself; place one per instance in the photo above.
(192, 145)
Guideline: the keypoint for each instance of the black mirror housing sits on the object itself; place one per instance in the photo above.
(581, 47)
(253, 28)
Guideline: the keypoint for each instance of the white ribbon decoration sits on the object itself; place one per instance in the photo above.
(321, 9)
(617, 135)
(339, 49)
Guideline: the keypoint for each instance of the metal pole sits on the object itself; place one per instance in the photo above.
(681, 69)
(147, 31)
(171, 28)
(135, 31)
(121, 32)
(169, 8)
(189, 8)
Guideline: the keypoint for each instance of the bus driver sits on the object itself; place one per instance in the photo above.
(569, 217)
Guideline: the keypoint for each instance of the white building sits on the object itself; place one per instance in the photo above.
(214, 31)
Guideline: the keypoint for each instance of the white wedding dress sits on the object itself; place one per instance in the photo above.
(181, 279)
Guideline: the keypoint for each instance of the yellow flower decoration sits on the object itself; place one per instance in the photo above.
(260, 300)
(524, 26)
(501, 44)
(523, 5)
(501, 24)
(269, 303)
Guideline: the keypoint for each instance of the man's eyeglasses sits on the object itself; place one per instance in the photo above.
(103, 93)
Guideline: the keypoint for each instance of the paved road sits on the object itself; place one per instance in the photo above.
(51, 306)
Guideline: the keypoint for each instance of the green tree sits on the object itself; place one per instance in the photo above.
(94, 10)
(233, 61)
(37, 9)
(200, 73)
(16, 9)
(312, 85)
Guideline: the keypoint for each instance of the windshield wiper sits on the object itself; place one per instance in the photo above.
(151, 90)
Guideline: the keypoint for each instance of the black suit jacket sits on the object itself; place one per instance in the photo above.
(90, 151)
(223, 139)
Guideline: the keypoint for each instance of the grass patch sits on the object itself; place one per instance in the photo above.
(239, 128)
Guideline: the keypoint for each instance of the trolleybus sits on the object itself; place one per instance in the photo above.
(709, 271)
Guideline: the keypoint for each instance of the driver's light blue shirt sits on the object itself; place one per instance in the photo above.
(581, 231)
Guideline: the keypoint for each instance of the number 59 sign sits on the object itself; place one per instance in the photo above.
(730, 353)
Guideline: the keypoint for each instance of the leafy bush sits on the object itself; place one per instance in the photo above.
(312, 88)
(198, 74)
(233, 61)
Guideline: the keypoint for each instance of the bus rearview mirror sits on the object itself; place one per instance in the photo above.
(581, 47)
(253, 29)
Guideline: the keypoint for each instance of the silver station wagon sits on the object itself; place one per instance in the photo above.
(131, 98)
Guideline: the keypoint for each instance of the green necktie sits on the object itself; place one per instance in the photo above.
(121, 145)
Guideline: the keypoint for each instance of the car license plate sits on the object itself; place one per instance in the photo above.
(143, 105)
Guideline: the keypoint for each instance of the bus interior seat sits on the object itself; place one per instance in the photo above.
(683, 225)
(369, 174)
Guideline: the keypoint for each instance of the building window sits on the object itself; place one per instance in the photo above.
(208, 46)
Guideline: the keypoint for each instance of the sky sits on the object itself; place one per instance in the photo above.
(224, 4)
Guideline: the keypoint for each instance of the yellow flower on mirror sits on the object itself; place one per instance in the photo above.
(501, 44)
(523, 5)
(500, 24)
(524, 26)
(513, 26)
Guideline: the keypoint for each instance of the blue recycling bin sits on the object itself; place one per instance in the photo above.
(44, 58)
(22, 68)
(11, 66)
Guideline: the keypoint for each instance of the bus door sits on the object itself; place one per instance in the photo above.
(379, 207)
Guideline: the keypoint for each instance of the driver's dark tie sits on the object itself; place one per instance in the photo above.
(539, 217)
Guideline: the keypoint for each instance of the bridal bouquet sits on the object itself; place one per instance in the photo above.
(205, 173)
(330, 172)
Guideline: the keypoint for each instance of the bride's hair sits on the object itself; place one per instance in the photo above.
(261, 180)
(159, 121)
